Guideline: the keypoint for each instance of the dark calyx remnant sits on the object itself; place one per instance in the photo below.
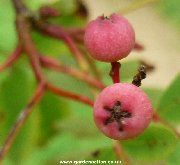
(117, 114)
(139, 76)
(106, 17)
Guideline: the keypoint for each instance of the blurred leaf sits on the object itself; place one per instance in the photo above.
(66, 8)
(154, 94)
(15, 92)
(106, 154)
(34, 4)
(70, 20)
(171, 10)
(156, 143)
(7, 30)
(174, 158)
(70, 83)
(52, 109)
(80, 121)
(50, 46)
(67, 147)
(7, 161)
(169, 105)
(127, 71)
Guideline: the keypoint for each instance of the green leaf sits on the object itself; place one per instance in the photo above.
(34, 4)
(7, 30)
(127, 71)
(67, 147)
(154, 95)
(80, 121)
(50, 46)
(70, 83)
(106, 154)
(66, 8)
(15, 93)
(169, 105)
(174, 158)
(171, 10)
(52, 109)
(156, 143)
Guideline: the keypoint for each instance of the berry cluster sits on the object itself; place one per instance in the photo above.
(122, 110)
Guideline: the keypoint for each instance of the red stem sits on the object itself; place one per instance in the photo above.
(23, 27)
(138, 47)
(56, 65)
(57, 31)
(69, 94)
(12, 58)
(114, 73)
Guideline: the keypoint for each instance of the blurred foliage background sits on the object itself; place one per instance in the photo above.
(61, 129)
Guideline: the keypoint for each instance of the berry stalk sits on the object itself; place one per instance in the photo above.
(114, 73)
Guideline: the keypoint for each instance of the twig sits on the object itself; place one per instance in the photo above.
(120, 154)
(92, 64)
(47, 11)
(14, 56)
(138, 47)
(21, 120)
(56, 65)
(23, 28)
(114, 73)
(57, 31)
(77, 34)
(69, 94)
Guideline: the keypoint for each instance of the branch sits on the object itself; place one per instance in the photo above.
(52, 63)
(92, 64)
(23, 27)
(120, 154)
(58, 32)
(21, 120)
(19, 6)
(69, 94)
(14, 56)
(138, 47)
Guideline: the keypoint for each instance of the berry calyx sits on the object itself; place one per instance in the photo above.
(109, 39)
(122, 111)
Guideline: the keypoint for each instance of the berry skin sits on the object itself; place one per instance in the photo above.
(109, 39)
(122, 111)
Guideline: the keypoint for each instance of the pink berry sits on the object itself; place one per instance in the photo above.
(122, 111)
(109, 39)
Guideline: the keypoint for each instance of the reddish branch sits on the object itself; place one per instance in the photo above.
(114, 73)
(14, 56)
(120, 154)
(24, 31)
(138, 47)
(52, 63)
(71, 95)
(47, 11)
(58, 31)
(24, 24)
